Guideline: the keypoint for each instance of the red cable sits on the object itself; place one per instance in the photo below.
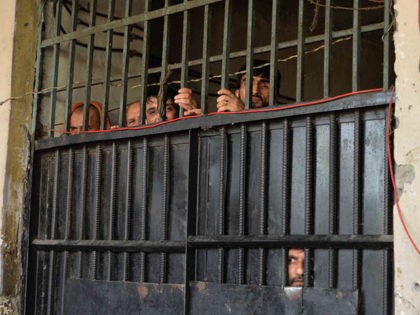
(248, 111)
(391, 171)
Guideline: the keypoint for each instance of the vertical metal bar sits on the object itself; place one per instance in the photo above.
(144, 209)
(165, 208)
(205, 65)
(81, 228)
(387, 187)
(356, 46)
(387, 254)
(386, 40)
(108, 64)
(53, 233)
(191, 218)
(38, 79)
(333, 184)
(309, 197)
(226, 43)
(69, 209)
(274, 53)
(327, 47)
(263, 202)
(128, 208)
(300, 54)
(46, 281)
(144, 64)
(165, 65)
(357, 196)
(112, 207)
(32, 261)
(285, 191)
(89, 66)
(125, 65)
(97, 211)
(242, 200)
(55, 63)
(70, 73)
(184, 52)
(249, 54)
(222, 198)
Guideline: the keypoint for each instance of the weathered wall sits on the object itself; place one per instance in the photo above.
(407, 156)
(7, 16)
(19, 34)
(6, 50)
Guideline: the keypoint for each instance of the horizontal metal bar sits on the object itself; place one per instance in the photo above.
(300, 241)
(135, 19)
(108, 245)
(217, 241)
(376, 99)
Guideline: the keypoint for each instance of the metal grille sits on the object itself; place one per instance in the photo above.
(111, 52)
(219, 198)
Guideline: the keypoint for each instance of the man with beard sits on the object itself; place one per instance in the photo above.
(229, 101)
(296, 267)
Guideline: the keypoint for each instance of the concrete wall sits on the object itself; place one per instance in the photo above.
(7, 16)
(17, 38)
(407, 156)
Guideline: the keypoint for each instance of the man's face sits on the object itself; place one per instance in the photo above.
(171, 111)
(260, 91)
(296, 267)
(76, 121)
(152, 114)
(133, 113)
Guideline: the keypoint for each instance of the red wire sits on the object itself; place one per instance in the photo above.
(248, 111)
(391, 171)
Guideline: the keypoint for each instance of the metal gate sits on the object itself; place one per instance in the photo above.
(187, 212)
(196, 216)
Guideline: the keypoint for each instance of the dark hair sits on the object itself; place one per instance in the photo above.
(261, 68)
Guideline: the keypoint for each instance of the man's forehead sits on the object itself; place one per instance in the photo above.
(259, 77)
(151, 102)
(296, 252)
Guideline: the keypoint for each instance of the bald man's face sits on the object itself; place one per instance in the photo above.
(133, 114)
(76, 120)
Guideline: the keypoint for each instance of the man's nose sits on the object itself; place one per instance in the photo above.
(300, 269)
(255, 87)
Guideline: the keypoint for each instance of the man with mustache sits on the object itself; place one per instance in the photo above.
(296, 267)
(229, 101)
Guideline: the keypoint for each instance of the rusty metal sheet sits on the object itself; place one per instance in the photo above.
(112, 297)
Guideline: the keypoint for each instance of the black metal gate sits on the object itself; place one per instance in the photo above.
(196, 216)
